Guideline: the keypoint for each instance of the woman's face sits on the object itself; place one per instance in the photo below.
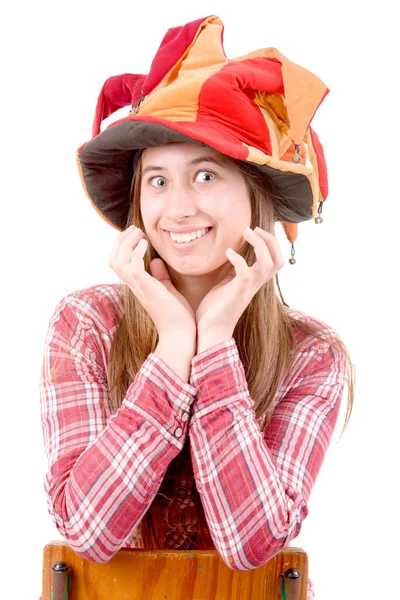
(186, 189)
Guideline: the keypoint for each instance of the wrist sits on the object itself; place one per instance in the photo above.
(177, 355)
(185, 338)
(178, 343)
(207, 337)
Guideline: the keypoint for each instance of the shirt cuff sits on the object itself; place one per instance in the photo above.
(219, 378)
(162, 398)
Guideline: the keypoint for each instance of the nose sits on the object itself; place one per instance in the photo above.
(179, 203)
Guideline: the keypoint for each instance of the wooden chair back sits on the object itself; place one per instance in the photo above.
(170, 574)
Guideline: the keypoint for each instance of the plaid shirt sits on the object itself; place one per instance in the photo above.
(105, 470)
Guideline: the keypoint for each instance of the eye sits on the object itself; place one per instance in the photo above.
(158, 182)
(205, 176)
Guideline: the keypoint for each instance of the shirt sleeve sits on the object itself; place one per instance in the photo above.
(103, 469)
(255, 486)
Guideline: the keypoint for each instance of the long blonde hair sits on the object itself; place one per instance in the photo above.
(265, 325)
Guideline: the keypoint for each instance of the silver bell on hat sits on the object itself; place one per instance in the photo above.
(319, 219)
(296, 158)
(292, 260)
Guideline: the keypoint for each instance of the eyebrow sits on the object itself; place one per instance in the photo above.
(194, 161)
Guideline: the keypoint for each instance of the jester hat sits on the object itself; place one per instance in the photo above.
(256, 108)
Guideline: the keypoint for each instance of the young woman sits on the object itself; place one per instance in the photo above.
(188, 406)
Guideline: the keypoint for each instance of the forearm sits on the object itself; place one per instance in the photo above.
(98, 489)
(231, 462)
(177, 351)
(262, 480)
(101, 499)
(207, 337)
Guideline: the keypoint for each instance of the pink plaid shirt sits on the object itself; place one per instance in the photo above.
(105, 470)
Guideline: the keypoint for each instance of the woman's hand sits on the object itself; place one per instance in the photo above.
(221, 308)
(170, 311)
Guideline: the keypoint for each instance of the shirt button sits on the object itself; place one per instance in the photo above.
(178, 432)
(185, 416)
(182, 493)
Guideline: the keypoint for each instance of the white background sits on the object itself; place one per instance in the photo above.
(56, 56)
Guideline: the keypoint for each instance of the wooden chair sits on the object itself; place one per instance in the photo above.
(170, 574)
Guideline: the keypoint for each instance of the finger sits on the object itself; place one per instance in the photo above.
(241, 267)
(264, 259)
(119, 241)
(273, 246)
(128, 246)
(159, 270)
(138, 253)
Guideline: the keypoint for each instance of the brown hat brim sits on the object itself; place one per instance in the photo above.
(107, 162)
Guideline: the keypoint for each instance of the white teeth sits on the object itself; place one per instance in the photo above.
(187, 237)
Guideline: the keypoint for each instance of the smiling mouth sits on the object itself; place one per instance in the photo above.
(190, 243)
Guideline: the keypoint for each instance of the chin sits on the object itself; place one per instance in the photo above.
(195, 269)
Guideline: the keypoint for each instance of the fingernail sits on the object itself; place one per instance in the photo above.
(248, 230)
